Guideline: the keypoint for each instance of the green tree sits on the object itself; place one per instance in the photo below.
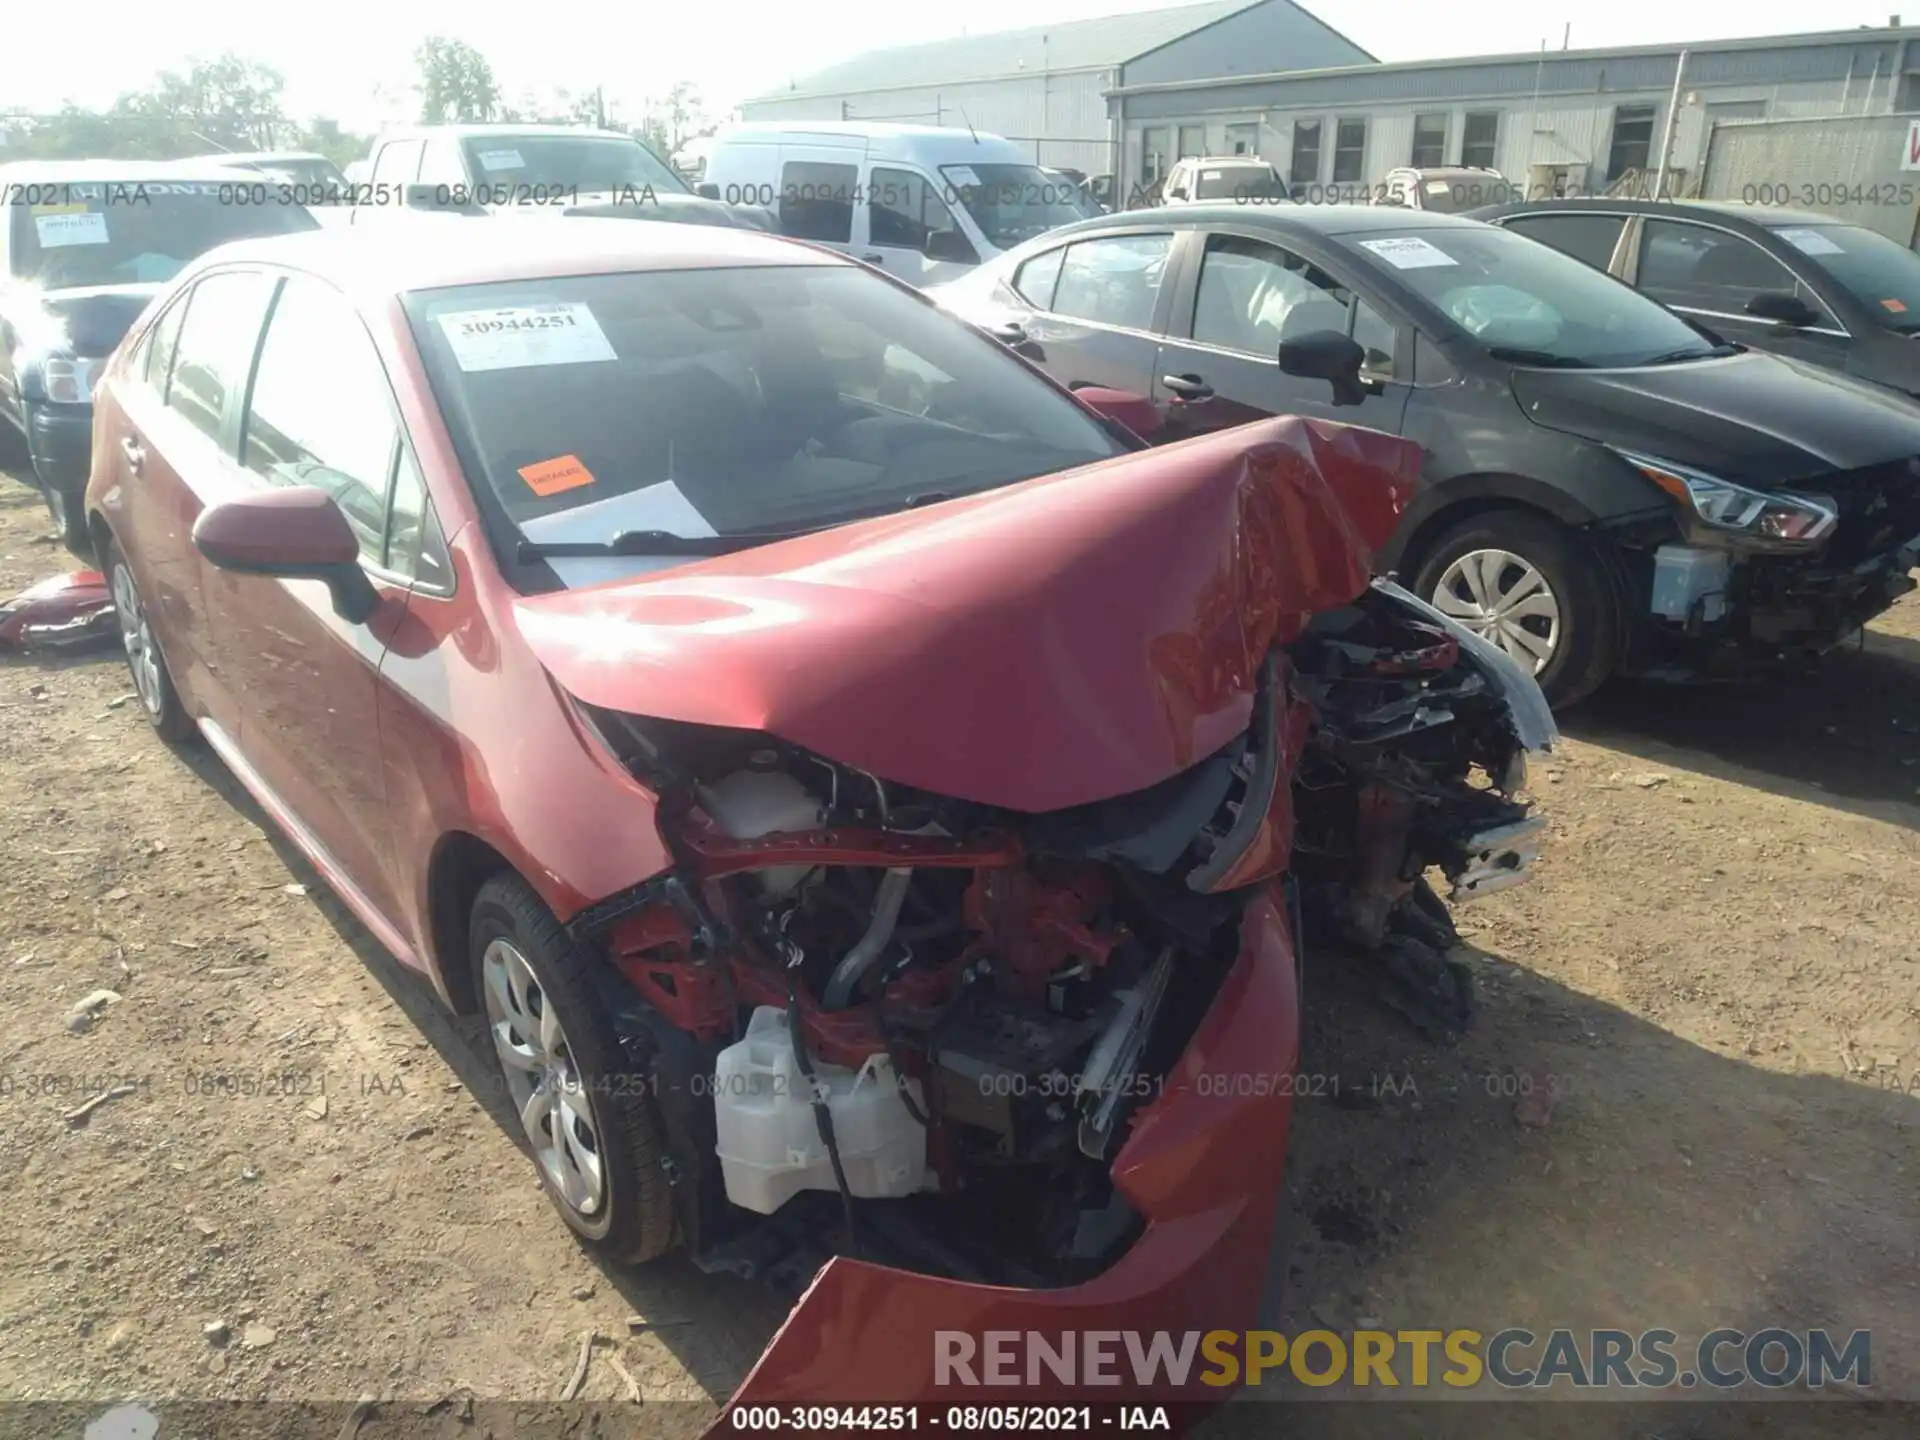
(222, 104)
(456, 82)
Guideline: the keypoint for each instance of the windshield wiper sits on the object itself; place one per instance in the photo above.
(650, 542)
(1674, 357)
(1547, 359)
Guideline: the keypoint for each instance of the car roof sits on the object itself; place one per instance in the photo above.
(1250, 160)
(498, 129)
(111, 172)
(1760, 216)
(252, 156)
(372, 262)
(1286, 218)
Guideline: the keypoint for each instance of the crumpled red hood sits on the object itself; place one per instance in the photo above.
(1075, 637)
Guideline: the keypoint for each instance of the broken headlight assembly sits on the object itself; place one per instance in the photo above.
(1720, 512)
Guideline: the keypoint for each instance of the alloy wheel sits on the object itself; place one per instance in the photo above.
(136, 636)
(1504, 598)
(543, 1081)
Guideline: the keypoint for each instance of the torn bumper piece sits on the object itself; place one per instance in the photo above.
(59, 613)
(1203, 1166)
(1497, 859)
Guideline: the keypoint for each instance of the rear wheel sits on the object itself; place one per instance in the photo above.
(1534, 588)
(583, 1108)
(152, 681)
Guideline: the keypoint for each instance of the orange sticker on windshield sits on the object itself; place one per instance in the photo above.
(1898, 307)
(551, 477)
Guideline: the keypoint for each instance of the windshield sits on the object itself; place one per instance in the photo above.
(1450, 194)
(569, 162)
(139, 233)
(711, 402)
(1011, 203)
(1514, 295)
(312, 172)
(1881, 274)
(1239, 182)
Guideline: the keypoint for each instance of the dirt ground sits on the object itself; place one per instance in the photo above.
(1716, 966)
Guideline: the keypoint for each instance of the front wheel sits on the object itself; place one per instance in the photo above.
(584, 1109)
(1534, 588)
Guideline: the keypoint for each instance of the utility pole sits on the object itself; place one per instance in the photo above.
(1673, 124)
(600, 107)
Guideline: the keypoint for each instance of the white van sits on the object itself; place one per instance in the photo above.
(923, 203)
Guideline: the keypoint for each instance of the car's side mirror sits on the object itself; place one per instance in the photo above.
(950, 246)
(1783, 308)
(707, 190)
(298, 533)
(1328, 355)
(1135, 412)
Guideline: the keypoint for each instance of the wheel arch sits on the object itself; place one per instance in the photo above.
(461, 863)
(1439, 509)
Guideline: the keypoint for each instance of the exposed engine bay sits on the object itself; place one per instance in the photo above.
(882, 1021)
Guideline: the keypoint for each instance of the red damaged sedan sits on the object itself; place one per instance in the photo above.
(874, 800)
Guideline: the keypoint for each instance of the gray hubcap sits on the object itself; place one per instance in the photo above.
(542, 1080)
(143, 655)
(1501, 596)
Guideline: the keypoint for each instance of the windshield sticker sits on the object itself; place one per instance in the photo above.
(1810, 242)
(962, 175)
(660, 506)
(552, 477)
(1898, 307)
(1438, 187)
(1408, 252)
(501, 160)
(84, 227)
(1211, 174)
(520, 336)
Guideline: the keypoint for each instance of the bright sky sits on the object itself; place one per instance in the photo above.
(352, 58)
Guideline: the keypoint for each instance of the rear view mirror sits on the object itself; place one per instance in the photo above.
(295, 534)
(950, 246)
(1328, 355)
(707, 190)
(1782, 308)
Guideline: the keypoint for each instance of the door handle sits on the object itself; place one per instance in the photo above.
(1187, 387)
(874, 259)
(136, 455)
(1008, 332)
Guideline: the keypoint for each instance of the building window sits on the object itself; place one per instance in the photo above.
(1306, 153)
(1632, 140)
(1243, 139)
(1429, 141)
(1479, 138)
(1349, 152)
(1153, 156)
(1193, 141)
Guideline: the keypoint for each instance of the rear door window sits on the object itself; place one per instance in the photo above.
(216, 347)
(816, 201)
(1114, 280)
(1585, 237)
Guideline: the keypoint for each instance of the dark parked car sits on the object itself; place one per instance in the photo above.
(533, 172)
(1798, 284)
(1606, 490)
(866, 834)
(84, 244)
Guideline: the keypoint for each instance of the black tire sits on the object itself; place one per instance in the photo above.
(1589, 644)
(13, 452)
(68, 510)
(634, 1220)
(163, 709)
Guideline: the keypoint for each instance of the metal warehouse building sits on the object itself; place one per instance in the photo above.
(1130, 94)
(1050, 86)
